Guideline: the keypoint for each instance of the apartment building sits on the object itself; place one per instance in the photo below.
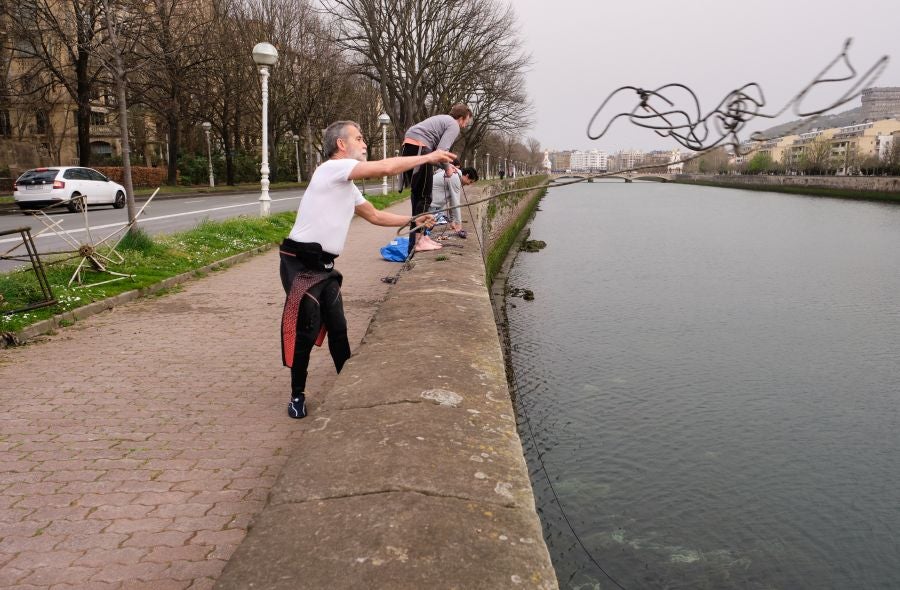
(560, 161)
(589, 161)
(626, 160)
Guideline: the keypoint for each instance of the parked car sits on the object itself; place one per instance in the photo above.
(73, 185)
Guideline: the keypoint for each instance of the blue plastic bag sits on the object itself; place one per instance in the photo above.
(397, 250)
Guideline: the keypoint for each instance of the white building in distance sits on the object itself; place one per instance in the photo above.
(590, 161)
(676, 166)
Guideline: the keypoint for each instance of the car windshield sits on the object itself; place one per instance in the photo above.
(38, 176)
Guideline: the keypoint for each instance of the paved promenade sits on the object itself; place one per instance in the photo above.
(136, 445)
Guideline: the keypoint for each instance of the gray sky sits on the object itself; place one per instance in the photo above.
(585, 49)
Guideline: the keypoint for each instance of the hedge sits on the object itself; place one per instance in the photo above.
(140, 175)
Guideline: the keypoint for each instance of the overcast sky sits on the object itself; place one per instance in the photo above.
(584, 49)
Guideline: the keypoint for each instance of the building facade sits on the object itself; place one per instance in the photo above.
(842, 150)
(589, 161)
(881, 103)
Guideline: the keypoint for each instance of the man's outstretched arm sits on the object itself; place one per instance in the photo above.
(391, 166)
(384, 218)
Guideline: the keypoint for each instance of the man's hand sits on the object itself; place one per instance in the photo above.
(450, 170)
(427, 220)
(440, 156)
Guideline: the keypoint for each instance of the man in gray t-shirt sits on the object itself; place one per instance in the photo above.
(438, 132)
(445, 194)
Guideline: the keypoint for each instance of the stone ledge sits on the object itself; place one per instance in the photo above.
(410, 472)
(401, 541)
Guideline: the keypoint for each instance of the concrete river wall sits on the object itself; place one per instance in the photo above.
(411, 474)
(874, 184)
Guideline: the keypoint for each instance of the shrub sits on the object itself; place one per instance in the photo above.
(140, 175)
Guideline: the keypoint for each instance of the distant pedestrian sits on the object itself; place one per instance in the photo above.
(313, 304)
(434, 133)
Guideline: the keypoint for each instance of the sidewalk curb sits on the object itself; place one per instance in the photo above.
(21, 337)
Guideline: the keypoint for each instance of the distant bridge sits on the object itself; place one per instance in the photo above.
(626, 176)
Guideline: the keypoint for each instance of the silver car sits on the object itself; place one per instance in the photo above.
(72, 185)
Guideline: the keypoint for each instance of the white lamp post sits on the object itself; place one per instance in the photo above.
(487, 165)
(297, 154)
(206, 127)
(384, 120)
(264, 55)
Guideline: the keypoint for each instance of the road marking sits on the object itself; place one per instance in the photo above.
(146, 220)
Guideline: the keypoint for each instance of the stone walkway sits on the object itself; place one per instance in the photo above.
(136, 445)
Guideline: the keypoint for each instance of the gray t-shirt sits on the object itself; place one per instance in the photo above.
(437, 132)
(445, 193)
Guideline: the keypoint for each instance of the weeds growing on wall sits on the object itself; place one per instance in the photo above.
(499, 249)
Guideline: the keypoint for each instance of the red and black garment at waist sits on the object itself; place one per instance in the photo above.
(303, 265)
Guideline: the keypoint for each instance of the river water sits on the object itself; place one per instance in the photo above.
(711, 379)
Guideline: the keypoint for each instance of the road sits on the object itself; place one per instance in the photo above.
(162, 216)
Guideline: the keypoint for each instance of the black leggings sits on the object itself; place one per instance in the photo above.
(420, 181)
(321, 304)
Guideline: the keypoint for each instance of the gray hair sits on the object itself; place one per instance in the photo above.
(333, 132)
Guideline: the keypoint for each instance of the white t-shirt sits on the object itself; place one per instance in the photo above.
(327, 206)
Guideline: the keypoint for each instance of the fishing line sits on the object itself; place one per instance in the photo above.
(559, 504)
(656, 109)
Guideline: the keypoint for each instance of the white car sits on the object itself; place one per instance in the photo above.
(72, 185)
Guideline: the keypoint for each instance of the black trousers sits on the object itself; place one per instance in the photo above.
(419, 180)
(321, 304)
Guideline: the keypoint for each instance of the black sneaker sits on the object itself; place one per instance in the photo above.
(297, 407)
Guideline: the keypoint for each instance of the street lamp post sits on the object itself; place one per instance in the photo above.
(297, 155)
(264, 55)
(206, 127)
(384, 120)
(487, 165)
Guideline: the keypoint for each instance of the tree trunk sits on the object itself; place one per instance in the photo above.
(173, 150)
(227, 142)
(83, 90)
(123, 131)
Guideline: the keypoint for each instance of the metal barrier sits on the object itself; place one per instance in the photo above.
(36, 266)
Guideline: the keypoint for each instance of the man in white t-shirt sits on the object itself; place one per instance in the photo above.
(313, 304)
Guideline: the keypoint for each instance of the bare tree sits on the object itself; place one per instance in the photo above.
(309, 83)
(891, 157)
(427, 54)
(816, 157)
(62, 37)
(123, 25)
(535, 156)
(174, 47)
(227, 83)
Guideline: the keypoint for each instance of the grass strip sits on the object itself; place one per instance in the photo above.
(150, 259)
